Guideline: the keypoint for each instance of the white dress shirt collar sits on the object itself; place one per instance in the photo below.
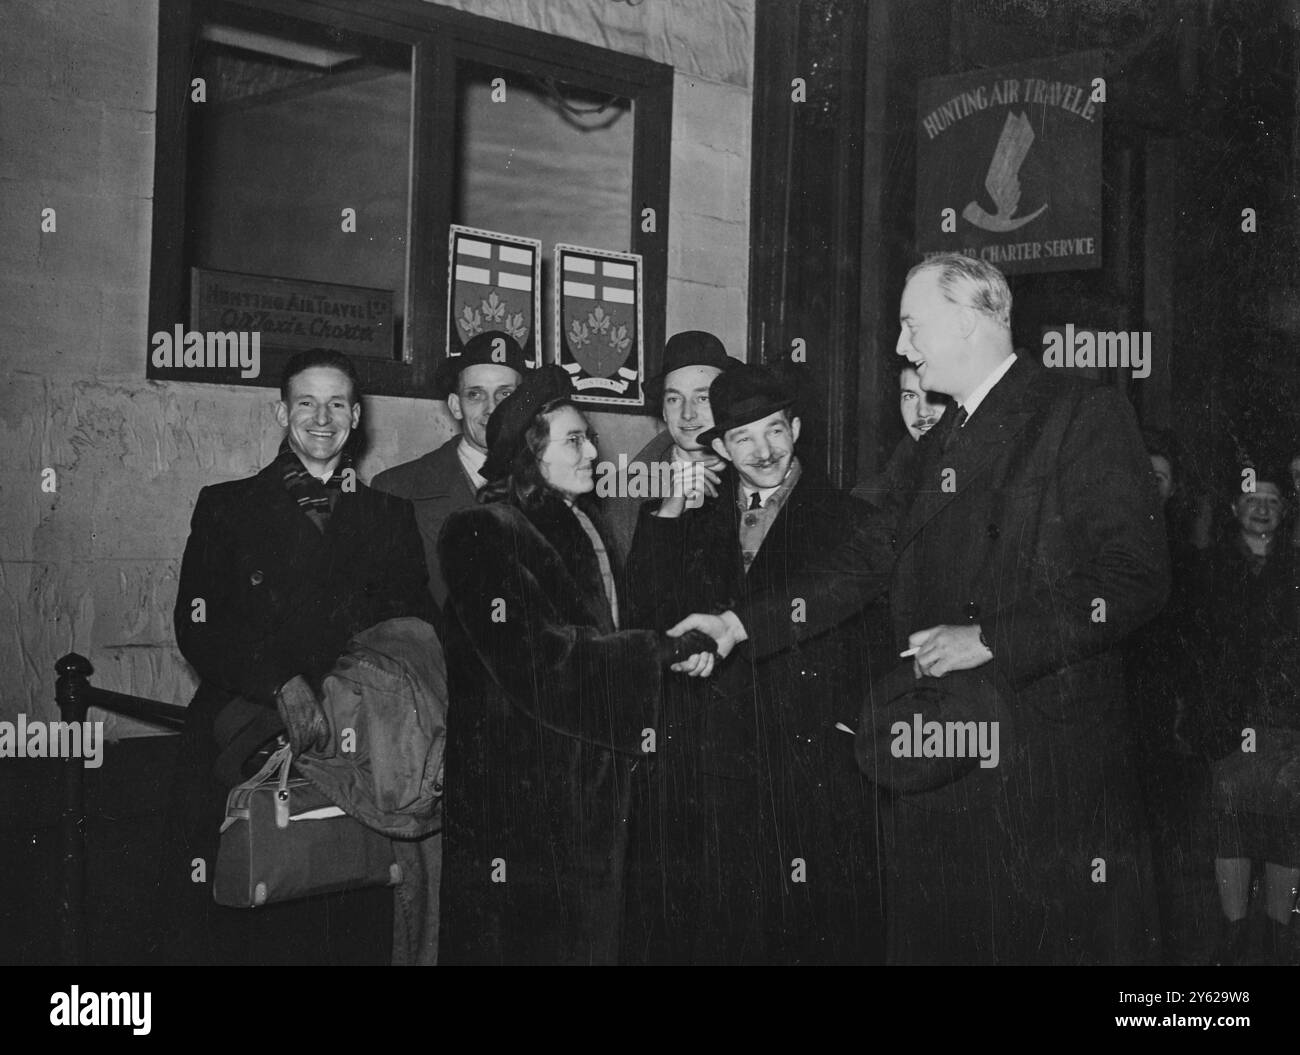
(471, 461)
(764, 493)
(986, 386)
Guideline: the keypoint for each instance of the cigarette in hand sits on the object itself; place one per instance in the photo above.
(909, 652)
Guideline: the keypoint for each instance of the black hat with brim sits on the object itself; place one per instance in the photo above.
(509, 422)
(744, 395)
(492, 348)
(961, 697)
(688, 348)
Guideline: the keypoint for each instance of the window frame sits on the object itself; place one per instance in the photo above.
(439, 38)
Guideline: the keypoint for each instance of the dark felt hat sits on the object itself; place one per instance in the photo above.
(892, 755)
(509, 422)
(747, 394)
(688, 348)
(493, 347)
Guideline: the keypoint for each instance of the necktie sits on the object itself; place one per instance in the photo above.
(958, 420)
(755, 501)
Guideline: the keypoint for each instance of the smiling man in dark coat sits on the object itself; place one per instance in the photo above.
(764, 846)
(1029, 545)
(280, 570)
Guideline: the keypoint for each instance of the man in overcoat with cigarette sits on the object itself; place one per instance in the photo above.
(1028, 545)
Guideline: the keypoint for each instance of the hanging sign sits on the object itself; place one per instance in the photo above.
(1008, 165)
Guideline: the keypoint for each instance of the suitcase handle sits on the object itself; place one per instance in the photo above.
(282, 792)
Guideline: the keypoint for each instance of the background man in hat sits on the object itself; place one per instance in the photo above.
(766, 847)
(1028, 545)
(692, 359)
(447, 479)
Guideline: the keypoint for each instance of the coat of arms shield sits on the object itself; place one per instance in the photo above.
(494, 283)
(598, 324)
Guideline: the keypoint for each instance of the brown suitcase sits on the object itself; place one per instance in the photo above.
(282, 839)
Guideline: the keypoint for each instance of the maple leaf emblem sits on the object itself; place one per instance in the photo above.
(619, 339)
(494, 308)
(514, 325)
(579, 334)
(470, 321)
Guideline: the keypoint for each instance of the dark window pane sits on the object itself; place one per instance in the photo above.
(301, 123)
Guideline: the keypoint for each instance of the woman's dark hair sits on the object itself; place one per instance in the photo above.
(524, 486)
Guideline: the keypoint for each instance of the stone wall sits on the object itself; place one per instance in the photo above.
(91, 566)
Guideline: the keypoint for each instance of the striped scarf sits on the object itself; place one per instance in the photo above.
(314, 498)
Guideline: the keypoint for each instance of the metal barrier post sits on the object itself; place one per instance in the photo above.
(71, 692)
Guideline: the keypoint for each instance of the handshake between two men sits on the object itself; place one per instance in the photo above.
(935, 651)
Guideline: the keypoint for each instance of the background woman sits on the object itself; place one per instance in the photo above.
(1247, 608)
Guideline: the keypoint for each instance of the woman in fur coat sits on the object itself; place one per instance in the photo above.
(553, 707)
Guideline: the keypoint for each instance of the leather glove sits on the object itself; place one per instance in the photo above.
(302, 715)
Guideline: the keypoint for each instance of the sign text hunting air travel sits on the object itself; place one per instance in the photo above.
(1009, 164)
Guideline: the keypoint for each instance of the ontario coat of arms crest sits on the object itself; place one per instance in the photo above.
(494, 283)
(598, 324)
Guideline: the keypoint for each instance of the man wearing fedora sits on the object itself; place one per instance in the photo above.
(766, 847)
(446, 479)
(692, 360)
(1028, 544)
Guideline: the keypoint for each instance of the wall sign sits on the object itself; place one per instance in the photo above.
(598, 324)
(1008, 164)
(494, 282)
(234, 317)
